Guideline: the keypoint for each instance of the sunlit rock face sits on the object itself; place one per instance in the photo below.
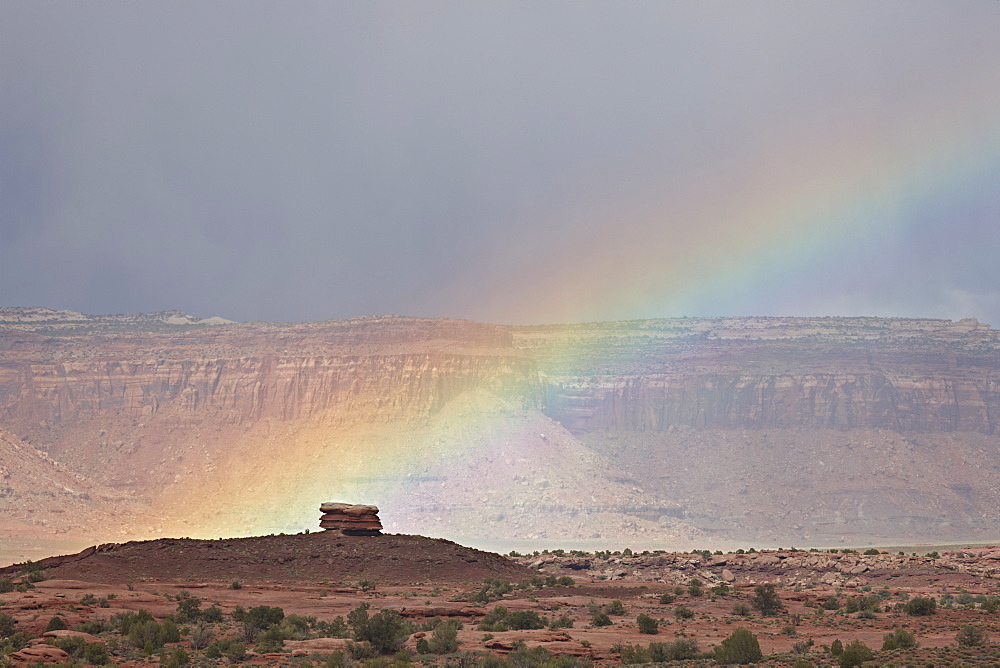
(660, 432)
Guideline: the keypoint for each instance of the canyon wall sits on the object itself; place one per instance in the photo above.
(920, 376)
(659, 429)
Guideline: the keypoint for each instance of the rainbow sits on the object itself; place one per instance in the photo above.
(737, 239)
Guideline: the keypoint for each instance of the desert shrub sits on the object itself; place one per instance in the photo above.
(96, 654)
(337, 659)
(647, 625)
(385, 630)
(616, 607)
(147, 636)
(231, 648)
(201, 636)
(524, 619)
(74, 646)
(863, 604)
(832, 603)
(124, 622)
(802, 646)
(971, 636)
(766, 601)
(741, 609)
(599, 619)
(741, 647)
(695, 587)
(56, 624)
(633, 654)
(836, 647)
(494, 588)
(855, 654)
(260, 616)
(366, 585)
(667, 598)
(563, 621)
(921, 606)
(361, 651)
(88, 599)
(270, 641)
(899, 639)
(681, 613)
(522, 657)
(423, 647)
(188, 610)
(495, 620)
(444, 638)
(235, 584)
(722, 589)
(683, 649)
(93, 627)
(872, 551)
(6, 585)
(169, 631)
(178, 658)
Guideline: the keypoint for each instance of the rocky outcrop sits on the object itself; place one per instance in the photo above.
(350, 519)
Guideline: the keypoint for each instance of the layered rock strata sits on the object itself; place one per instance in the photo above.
(350, 519)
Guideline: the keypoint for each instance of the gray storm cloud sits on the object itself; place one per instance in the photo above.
(299, 161)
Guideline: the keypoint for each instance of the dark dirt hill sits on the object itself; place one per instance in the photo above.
(315, 557)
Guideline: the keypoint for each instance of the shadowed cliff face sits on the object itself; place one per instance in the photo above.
(601, 431)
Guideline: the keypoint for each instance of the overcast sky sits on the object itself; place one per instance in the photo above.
(501, 161)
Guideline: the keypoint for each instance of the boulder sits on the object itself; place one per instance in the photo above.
(38, 654)
(350, 519)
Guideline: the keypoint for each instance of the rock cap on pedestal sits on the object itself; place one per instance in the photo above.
(351, 519)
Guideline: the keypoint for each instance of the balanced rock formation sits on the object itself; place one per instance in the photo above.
(350, 519)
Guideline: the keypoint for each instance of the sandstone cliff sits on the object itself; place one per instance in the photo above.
(670, 430)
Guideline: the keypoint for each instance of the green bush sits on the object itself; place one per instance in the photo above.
(647, 625)
(616, 607)
(599, 619)
(681, 613)
(72, 645)
(201, 636)
(855, 654)
(385, 631)
(741, 609)
(231, 648)
(260, 616)
(836, 647)
(667, 598)
(147, 636)
(495, 620)
(177, 659)
(971, 636)
(832, 603)
(6, 585)
(444, 639)
(56, 624)
(863, 604)
(683, 649)
(766, 601)
(741, 647)
(524, 619)
(899, 639)
(633, 654)
(270, 641)
(96, 654)
(921, 606)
